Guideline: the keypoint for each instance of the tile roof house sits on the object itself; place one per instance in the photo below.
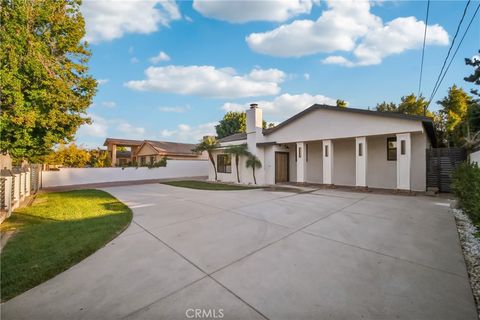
(146, 152)
(333, 146)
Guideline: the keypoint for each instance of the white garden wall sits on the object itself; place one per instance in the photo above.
(76, 176)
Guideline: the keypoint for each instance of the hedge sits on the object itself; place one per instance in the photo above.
(466, 187)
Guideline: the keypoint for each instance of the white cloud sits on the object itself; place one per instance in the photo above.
(338, 60)
(178, 109)
(306, 76)
(129, 130)
(245, 11)
(347, 26)
(102, 127)
(161, 56)
(209, 81)
(111, 19)
(134, 60)
(102, 81)
(188, 133)
(109, 104)
(98, 127)
(284, 105)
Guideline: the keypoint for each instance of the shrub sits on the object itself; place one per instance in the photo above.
(160, 163)
(466, 186)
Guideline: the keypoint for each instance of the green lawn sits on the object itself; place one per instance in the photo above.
(57, 231)
(203, 185)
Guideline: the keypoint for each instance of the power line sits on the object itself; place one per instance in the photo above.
(423, 49)
(455, 53)
(450, 49)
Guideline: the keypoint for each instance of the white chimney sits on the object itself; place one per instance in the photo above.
(254, 119)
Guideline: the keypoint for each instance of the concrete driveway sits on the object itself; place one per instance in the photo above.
(257, 254)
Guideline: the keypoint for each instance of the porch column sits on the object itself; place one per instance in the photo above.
(301, 162)
(327, 153)
(361, 161)
(114, 155)
(404, 158)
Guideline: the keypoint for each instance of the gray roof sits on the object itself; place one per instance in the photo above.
(426, 121)
(234, 137)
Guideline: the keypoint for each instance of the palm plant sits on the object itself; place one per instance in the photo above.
(237, 151)
(208, 144)
(253, 162)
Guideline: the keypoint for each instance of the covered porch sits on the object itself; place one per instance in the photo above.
(393, 161)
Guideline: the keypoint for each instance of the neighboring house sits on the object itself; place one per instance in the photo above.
(145, 152)
(333, 146)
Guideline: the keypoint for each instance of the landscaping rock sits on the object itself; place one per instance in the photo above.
(471, 251)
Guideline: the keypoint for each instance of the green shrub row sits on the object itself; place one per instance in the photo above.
(466, 186)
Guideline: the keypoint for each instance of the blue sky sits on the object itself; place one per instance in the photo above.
(170, 70)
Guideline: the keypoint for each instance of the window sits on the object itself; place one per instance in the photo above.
(360, 149)
(142, 161)
(224, 163)
(299, 152)
(402, 147)
(152, 159)
(326, 151)
(392, 149)
(306, 152)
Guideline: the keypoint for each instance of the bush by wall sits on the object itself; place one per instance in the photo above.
(466, 186)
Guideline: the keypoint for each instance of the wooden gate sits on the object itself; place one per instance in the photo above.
(441, 162)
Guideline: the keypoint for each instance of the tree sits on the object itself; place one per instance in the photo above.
(455, 108)
(208, 144)
(410, 104)
(70, 156)
(232, 122)
(341, 103)
(99, 158)
(237, 151)
(386, 107)
(44, 80)
(235, 122)
(475, 76)
(253, 162)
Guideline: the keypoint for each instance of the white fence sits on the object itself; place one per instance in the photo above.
(16, 185)
(76, 176)
(475, 157)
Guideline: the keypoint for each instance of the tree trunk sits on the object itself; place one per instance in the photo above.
(236, 164)
(254, 179)
(213, 164)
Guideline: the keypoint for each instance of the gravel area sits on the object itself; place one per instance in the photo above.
(471, 251)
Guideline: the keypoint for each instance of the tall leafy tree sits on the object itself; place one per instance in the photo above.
(235, 122)
(386, 107)
(71, 156)
(475, 76)
(232, 122)
(341, 103)
(411, 104)
(455, 107)
(208, 144)
(44, 82)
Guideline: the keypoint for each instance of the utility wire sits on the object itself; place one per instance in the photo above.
(455, 53)
(449, 50)
(423, 49)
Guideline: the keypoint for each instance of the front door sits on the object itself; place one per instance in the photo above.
(281, 167)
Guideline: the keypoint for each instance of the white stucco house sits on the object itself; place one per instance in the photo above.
(333, 146)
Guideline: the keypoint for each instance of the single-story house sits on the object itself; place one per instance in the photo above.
(333, 146)
(146, 152)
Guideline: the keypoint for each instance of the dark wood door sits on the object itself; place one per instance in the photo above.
(281, 167)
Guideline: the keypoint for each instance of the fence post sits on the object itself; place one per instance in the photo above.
(28, 177)
(16, 190)
(8, 193)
